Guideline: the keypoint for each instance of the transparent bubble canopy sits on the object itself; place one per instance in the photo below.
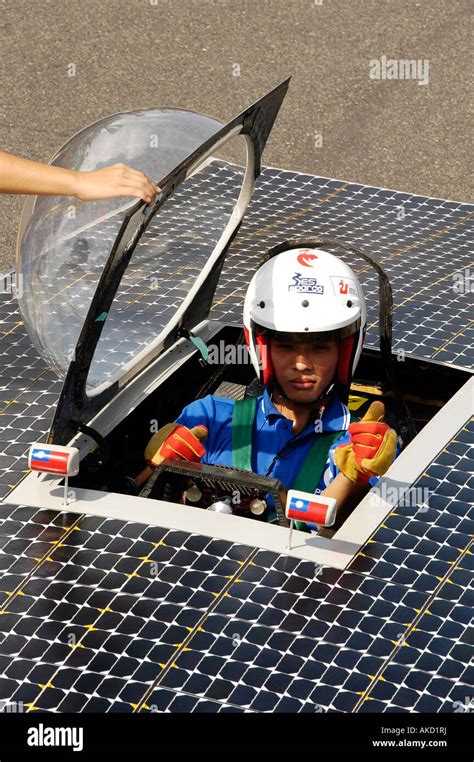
(63, 243)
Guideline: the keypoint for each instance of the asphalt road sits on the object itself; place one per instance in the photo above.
(141, 53)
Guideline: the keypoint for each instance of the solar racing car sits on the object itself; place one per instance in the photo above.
(122, 301)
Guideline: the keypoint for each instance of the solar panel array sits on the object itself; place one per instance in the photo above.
(105, 615)
(422, 243)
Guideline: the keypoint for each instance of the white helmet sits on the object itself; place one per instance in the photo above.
(305, 291)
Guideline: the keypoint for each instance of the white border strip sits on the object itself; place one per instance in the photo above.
(45, 492)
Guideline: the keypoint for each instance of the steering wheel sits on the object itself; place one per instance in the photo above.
(219, 488)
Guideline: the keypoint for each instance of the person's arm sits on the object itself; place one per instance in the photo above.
(371, 450)
(23, 176)
(347, 494)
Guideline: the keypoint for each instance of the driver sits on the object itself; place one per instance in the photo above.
(304, 325)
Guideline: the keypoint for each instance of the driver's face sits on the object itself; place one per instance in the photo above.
(304, 369)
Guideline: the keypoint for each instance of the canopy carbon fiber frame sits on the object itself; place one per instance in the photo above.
(75, 406)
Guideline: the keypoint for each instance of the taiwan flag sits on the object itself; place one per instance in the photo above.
(51, 460)
(310, 511)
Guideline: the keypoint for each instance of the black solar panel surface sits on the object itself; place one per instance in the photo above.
(105, 615)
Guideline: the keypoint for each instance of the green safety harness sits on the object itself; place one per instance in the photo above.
(311, 471)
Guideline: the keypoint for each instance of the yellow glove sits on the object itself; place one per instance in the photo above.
(371, 449)
(177, 442)
(172, 441)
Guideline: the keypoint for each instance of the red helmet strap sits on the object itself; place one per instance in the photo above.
(346, 356)
(263, 346)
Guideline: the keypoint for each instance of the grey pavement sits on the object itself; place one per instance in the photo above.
(185, 53)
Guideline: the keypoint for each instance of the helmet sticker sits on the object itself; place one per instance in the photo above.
(306, 258)
(303, 285)
(343, 285)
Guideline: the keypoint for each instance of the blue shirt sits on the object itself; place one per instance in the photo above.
(276, 451)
